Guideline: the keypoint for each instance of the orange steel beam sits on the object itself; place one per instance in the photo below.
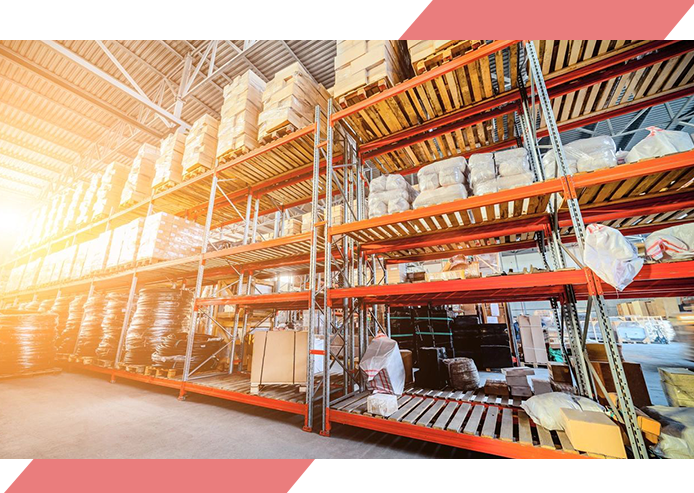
(261, 245)
(298, 298)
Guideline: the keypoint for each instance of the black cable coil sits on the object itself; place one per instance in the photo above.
(68, 337)
(89, 336)
(46, 305)
(159, 312)
(61, 307)
(112, 325)
(171, 352)
(27, 342)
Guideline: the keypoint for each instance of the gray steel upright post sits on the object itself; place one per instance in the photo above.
(626, 404)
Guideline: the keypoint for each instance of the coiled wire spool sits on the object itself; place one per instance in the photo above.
(159, 312)
(61, 307)
(171, 352)
(46, 305)
(112, 324)
(90, 331)
(68, 337)
(27, 342)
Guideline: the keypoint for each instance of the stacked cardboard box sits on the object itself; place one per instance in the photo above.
(683, 323)
(292, 226)
(123, 247)
(110, 190)
(593, 432)
(78, 269)
(139, 184)
(87, 204)
(541, 386)
(367, 62)
(290, 98)
(201, 144)
(169, 168)
(73, 208)
(678, 385)
(396, 274)
(168, 237)
(238, 128)
(420, 50)
(532, 339)
(660, 307)
(30, 275)
(517, 380)
(496, 387)
(98, 253)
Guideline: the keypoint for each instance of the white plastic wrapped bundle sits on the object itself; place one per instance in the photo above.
(429, 181)
(382, 404)
(440, 196)
(583, 155)
(485, 187)
(389, 202)
(168, 237)
(609, 254)
(676, 242)
(396, 182)
(482, 168)
(515, 181)
(378, 184)
(442, 173)
(660, 143)
(551, 167)
(512, 162)
(382, 365)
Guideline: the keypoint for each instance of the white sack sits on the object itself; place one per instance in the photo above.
(429, 181)
(660, 143)
(380, 203)
(485, 187)
(677, 434)
(544, 409)
(482, 168)
(382, 366)
(396, 182)
(611, 256)
(378, 184)
(377, 208)
(442, 173)
(398, 205)
(381, 404)
(512, 161)
(583, 155)
(515, 181)
(440, 196)
(676, 242)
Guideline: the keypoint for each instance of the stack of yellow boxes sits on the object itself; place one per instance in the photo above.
(201, 145)
(110, 190)
(139, 184)
(168, 237)
(238, 128)
(88, 200)
(169, 165)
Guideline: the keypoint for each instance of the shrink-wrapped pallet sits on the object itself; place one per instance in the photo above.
(201, 145)
(289, 101)
(512, 162)
(78, 268)
(440, 196)
(168, 237)
(33, 271)
(110, 190)
(98, 253)
(390, 194)
(73, 208)
(139, 184)
(238, 128)
(15, 277)
(169, 168)
(660, 142)
(87, 204)
(364, 63)
(442, 173)
(583, 155)
(123, 248)
(515, 181)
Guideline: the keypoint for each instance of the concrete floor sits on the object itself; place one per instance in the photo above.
(75, 415)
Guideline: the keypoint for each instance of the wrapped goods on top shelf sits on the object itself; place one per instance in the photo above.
(88, 200)
(440, 196)
(61, 204)
(427, 54)
(442, 173)
(30, 275)
(78, 265)
(512, 162)
(139, 184)
(675, 242)
(609, 254)
(73, 208)
(169, 168)
(168, 237)
(110, 189)
(97, 253)
(201, 145)
(363, 64)
(289, 101)
(583, 155)
(660, 142)
(502, 170)
(15, 277)
(389, 194)
(238, 128)
(123, 247)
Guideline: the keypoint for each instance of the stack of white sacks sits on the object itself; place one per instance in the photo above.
(442, 181)
(389, 194)
(502, 170)
(583, 155)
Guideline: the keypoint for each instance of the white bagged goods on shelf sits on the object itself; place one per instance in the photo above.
(381, 404)
(201, 144)
(378, 184)
(397, 182)
(485, 187)
(609, 254)
(110, 189)
(168, 237)
(98, 251)
(515, 181)
(583, 155)
(139, 184)
(389, 202)
(544, 409)
(660, 143)
(89, 198)
(169, 167)
(676, 439)
(512, 161)
(442, 173)
(382, 365)
(440, 196)
(73, 208)
(676, 242)
(238, 128)
(551, 166)
(482, 168)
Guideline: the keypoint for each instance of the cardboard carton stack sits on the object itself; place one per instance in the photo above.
(31, 271)
(396, 274)
(110, 190)
(139, 184)
(97, 254)
(292, 226)
(87, 203)
(365, 63)
(660, 307)
(168, 170)
(73, 207)
(678, 385)
(496, 387)
(447, 49)
(532, 339)
(78, 270)
(123, 249)
(560, 377)
(14, 279)
(593, 432)
(63, 203)
(238, 128)
(289, 101)
(517, 380)
(168, 237)
(201, 145)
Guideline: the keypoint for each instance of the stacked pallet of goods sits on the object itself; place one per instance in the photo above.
(88, 200)
(201, 146)
(168, 237)
(139, 184)
(289, 102)
(73, 208)
(238, 128)
(168, 170)
(426, 54)
(364, 67)
(110, 190)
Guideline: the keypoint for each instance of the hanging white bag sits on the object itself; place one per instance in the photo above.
(611, 256)
(382, 366)
(660, 142)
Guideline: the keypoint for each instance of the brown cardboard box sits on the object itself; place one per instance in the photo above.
(678, 384)
(593, 432)
(406, 356)
(521, 391)
(560, 372)
(279, 357)
(517, 380)
(635, 380)
(649, 426)
(597, 352)
(516, 371)
(541, 386)
(396, 274)
(496, 387)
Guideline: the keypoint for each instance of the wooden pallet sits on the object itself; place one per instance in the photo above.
(51, 371)
(132, 368)
(466, 396)
(128, 204)
(363, 92)
(164, 186)
(62, 357)
(446, 54)
(193, 171)
(277, 133)
(158, 372)
(102, 363)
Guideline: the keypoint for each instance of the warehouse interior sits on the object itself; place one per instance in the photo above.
(347, 249)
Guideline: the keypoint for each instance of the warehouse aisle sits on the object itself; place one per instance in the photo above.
(82, 416)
